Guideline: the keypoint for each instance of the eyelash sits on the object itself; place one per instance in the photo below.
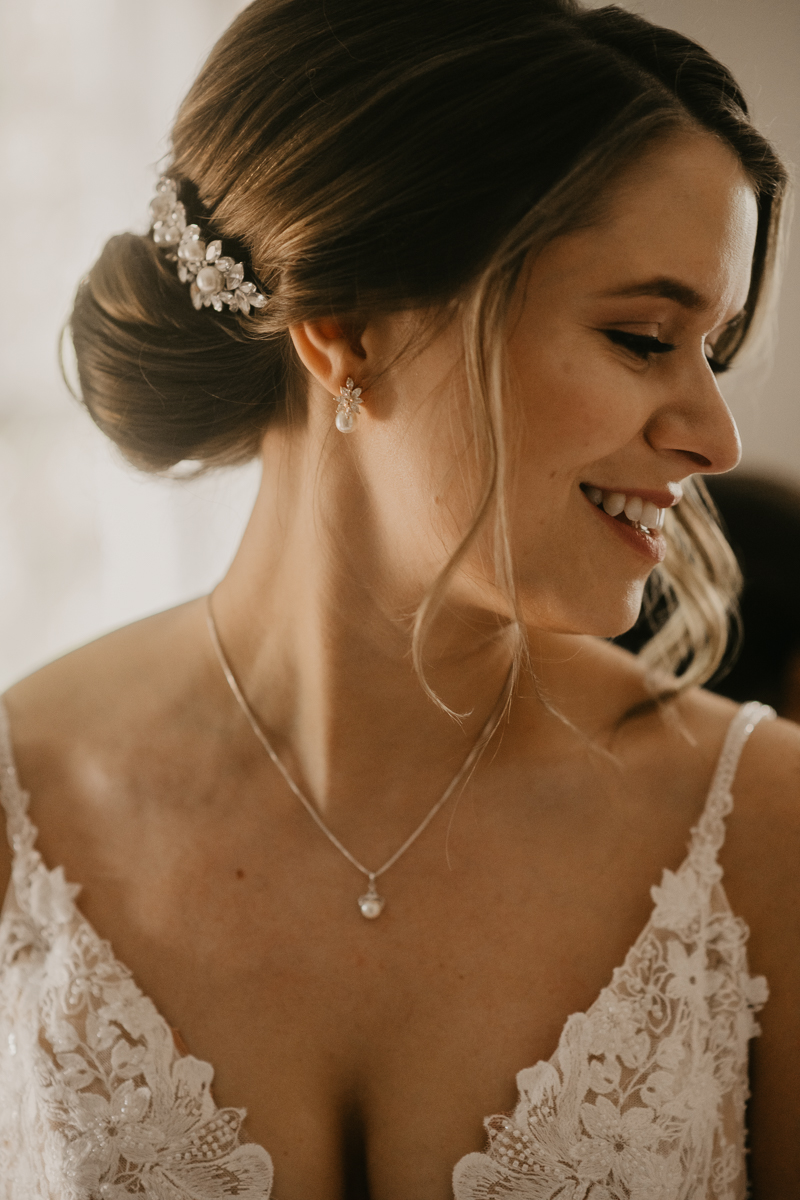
(643, 345)
(640, 344)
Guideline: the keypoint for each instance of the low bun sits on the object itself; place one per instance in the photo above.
(165, 381)
(365, 156)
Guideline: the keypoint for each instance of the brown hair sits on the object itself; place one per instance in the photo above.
(367, 156)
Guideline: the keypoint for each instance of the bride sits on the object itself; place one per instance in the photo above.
(365, 827)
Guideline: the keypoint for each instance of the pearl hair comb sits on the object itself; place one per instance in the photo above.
(214, 279)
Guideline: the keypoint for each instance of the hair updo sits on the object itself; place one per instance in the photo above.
(365, 156)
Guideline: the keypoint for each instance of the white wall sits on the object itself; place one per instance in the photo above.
(88, 90)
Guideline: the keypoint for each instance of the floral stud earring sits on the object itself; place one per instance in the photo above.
(348, 402)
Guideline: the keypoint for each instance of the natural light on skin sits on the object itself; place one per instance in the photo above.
(350, 531)
(584, 410)
(671, 261)
(346, 1042)
(347, 535)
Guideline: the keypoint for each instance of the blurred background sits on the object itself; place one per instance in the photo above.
(89, 89)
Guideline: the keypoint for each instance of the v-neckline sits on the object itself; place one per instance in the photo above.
(26, 835)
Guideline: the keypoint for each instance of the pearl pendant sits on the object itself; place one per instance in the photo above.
(371, 904)
(344, 421)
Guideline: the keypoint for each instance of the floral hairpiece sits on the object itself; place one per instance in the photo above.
(215, 279)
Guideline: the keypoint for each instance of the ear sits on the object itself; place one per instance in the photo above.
(330, 351)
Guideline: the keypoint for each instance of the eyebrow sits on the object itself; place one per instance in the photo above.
(666, 289)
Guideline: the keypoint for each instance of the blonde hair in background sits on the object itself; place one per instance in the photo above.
(699, 582)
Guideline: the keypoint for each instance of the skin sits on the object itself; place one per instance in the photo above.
(367, 1054)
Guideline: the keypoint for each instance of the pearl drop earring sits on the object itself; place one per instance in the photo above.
(348, 403)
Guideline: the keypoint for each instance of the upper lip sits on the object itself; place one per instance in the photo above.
(662, 498)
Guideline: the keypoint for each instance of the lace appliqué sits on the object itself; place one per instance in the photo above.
(644, 1098)
(96, 1101)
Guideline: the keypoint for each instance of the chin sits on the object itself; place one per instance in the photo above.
(607, 617)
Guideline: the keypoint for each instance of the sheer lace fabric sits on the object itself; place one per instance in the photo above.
(96, 1100)
(643, 1099)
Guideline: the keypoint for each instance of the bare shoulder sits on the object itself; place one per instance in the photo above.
(766, 787)
(762, 849)
(768, 779)
(88, 699)
(74, 719)
(763, 829)
(768, 776)
(62, 694)
(769, 768)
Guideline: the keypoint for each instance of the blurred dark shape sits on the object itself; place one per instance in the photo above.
(761, 518)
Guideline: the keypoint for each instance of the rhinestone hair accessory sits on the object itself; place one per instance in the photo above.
(214, 279)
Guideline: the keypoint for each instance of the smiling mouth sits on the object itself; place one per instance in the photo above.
(639, 514)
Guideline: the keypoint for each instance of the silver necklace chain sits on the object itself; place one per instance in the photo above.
(370, 904)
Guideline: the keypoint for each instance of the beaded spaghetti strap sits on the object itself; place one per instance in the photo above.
(708, 835)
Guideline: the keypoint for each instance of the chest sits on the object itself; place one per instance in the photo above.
(373, 1050)
(647, 1087)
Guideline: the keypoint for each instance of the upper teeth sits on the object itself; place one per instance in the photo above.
(641, 512)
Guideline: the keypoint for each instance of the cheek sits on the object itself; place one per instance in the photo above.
(569, 410)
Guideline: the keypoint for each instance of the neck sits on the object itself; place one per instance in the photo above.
(316, 621)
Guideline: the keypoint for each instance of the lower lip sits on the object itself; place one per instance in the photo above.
(652, 546)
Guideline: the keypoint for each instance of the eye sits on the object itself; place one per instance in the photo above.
(640, 344)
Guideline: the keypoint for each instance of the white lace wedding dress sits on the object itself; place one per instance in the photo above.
(643, 1099)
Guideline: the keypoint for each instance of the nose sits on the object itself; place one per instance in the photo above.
(695, 423)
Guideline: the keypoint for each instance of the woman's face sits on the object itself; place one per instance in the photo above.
(611, 394)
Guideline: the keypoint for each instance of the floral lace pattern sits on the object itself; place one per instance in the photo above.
(96, 1100)
(644, 1097)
